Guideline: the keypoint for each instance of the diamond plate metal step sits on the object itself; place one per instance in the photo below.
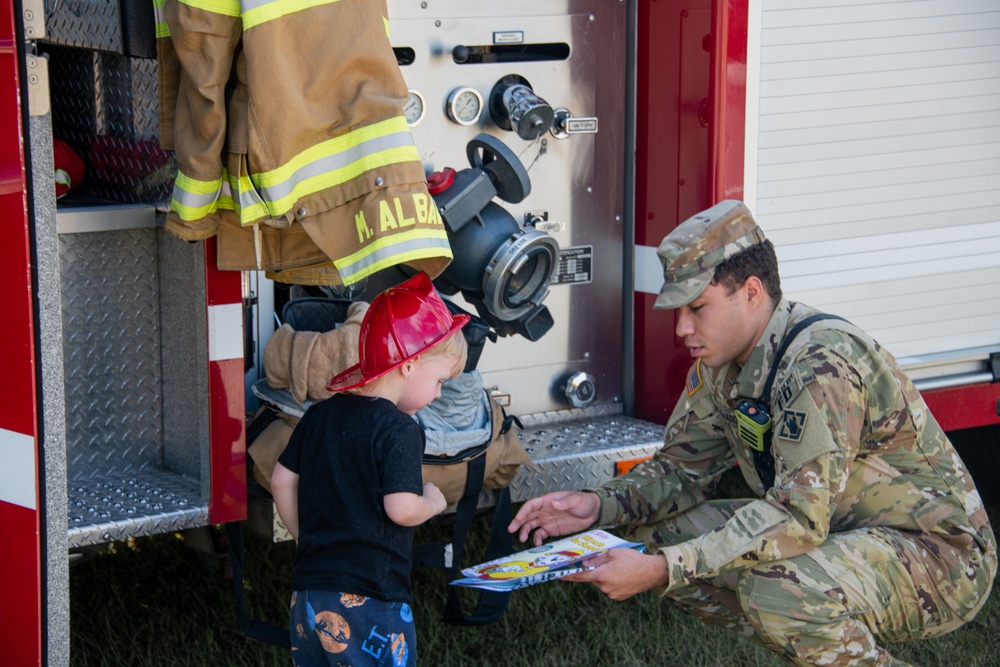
(574, 449)
(146, 502)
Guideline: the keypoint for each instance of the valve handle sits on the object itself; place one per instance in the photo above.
(508, 174)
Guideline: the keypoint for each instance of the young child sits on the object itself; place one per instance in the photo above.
(349, 488)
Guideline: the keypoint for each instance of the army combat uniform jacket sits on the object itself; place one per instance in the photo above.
(854, 447)
(286, 121)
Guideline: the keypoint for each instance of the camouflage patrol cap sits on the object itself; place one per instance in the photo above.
(691, 252)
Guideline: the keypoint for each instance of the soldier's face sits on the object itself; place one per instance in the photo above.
(717, 326)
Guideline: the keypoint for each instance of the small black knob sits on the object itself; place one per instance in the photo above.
(460, 53)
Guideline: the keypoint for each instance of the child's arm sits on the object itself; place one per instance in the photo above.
(409, 509)
(285, 489)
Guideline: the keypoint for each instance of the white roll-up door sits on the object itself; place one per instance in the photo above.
(873, 164)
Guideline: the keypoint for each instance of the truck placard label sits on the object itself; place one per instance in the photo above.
(575, 266)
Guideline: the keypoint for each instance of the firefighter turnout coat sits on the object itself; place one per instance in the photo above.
(285, 117)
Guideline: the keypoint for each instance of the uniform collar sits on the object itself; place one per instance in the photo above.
(750, 378)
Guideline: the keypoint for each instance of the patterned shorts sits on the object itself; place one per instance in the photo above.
(331, 629)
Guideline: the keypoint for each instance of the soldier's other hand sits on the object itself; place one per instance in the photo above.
(622, 573)
(556, 513)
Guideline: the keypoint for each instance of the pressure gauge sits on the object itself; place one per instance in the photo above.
(414, 109)
(465, 106)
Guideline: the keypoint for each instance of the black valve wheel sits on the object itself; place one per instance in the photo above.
(508, 174)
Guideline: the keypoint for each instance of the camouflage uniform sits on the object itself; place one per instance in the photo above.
(873, 530)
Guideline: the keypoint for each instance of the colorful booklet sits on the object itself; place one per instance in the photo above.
(545, 563)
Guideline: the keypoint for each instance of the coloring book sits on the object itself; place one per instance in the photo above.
(545, 563)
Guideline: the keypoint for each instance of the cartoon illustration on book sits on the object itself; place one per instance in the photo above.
(543, 563)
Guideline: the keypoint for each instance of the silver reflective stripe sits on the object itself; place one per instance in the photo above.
(250, 5)
(192, 200)
(331, 163)
(391, 252)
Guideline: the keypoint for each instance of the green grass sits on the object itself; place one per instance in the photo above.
(156, 601)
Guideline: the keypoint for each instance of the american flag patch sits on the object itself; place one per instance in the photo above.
(694, 378)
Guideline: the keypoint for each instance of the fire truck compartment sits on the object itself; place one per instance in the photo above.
(133, 321)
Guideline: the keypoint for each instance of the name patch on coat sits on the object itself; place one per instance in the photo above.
(793, 424)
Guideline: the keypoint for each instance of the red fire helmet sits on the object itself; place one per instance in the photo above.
(401, 323)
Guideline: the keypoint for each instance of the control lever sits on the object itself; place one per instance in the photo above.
(565, 124)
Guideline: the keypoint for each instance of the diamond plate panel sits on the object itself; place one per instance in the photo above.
(148, 502)
(105, 105)
(93, 24)
(111, 350)
(575, 453)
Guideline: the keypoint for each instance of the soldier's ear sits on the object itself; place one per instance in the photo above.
(754, 291)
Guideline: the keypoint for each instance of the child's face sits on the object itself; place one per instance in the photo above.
(423, 384)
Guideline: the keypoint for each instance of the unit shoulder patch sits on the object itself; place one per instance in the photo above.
(786, 391)
(792, 425)
(694, 378)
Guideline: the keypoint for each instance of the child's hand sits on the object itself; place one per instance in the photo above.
(433, 495)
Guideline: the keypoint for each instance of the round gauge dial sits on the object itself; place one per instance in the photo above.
(414, 108)
(465, 106)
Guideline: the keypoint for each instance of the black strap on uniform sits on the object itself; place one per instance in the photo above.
(491, 604)
(763, 461)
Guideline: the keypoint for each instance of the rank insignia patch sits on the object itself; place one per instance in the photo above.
(694, 378)
(792, 425)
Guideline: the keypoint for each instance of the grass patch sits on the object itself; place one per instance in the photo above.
(156, 601)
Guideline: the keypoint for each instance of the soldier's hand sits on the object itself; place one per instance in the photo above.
(622, 573)
(556, 513)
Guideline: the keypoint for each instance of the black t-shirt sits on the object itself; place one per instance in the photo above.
(349, 451)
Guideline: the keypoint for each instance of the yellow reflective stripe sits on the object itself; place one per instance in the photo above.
(63, 178)
(256, 12)
(189, 213)
(253, 12)
(386, 22)
(391, 250)
(338, 145)
(162, 29)
(194, 199)
(401, 258)
(224, 7)
(339, 176)
(247, 202)
(197, 187)
(225, 194)
(226, 203)
(326, 165)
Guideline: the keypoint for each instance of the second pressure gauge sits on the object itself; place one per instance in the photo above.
(414, 109)
(465, 106)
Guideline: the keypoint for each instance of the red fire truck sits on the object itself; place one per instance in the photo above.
(862, 135)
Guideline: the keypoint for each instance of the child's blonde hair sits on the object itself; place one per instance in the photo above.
(454, 345)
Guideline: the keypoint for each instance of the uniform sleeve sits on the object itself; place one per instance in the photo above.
(683, 473)
(197, 43)
(402, 453)
(816, 436)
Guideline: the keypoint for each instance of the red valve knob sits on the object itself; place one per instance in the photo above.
(439, 181)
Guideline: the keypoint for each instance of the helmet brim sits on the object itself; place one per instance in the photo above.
(355, 377)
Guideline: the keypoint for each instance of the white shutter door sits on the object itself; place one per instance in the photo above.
(873, 164)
